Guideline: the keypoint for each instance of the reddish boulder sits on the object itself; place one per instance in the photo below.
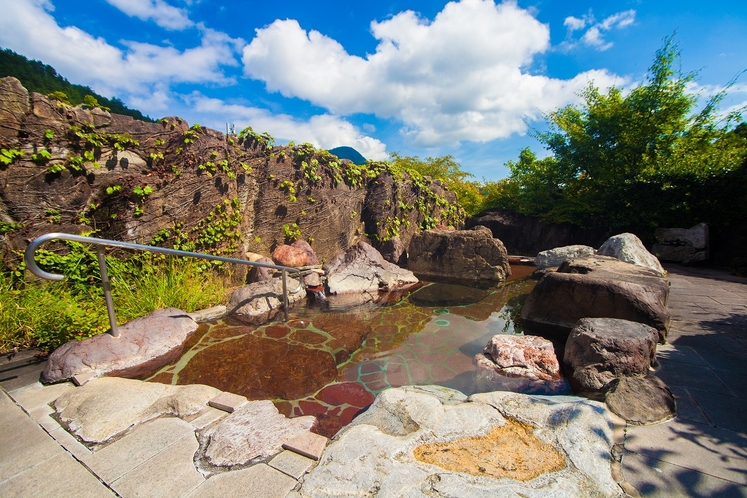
(305, 247)
(519, 364)
(294, 257)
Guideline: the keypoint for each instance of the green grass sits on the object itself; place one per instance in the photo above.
(48, 314)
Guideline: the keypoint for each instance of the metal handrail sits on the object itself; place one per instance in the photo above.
(34, 268)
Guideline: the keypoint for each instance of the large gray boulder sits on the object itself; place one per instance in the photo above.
(105, 408)
(682, 245)
(459, 255)
(260, 302)
(597, 287)
(599, 350)
(415, 441)
(362, 269)
(144, 345)
(629, 248)
(557, 256)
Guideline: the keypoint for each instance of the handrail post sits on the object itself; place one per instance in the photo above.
(285, 296)
(107, 292)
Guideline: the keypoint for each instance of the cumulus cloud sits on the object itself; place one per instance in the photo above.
(28, 27)
(461, 76)
(324, 131)
(163, 14)
(594, 35)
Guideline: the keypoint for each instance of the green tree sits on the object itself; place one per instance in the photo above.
(628, 160)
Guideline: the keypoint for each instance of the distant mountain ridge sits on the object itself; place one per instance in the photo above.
(43, 78)
(350, 153)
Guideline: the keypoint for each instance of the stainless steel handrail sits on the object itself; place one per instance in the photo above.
(34, 268)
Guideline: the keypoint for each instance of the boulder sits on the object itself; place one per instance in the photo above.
(394, 251)
(261, 273)
(311, 258)
(94, 413)
(459, 255)
(555, 257)
(641, 400)
(597, 287)
(285, 255)
(362, 269)
(144, 345)
(253, 433)
(414, 441)
(629, 248)
(600, 350)
(525, 364)
(682, 245)
(260, 302)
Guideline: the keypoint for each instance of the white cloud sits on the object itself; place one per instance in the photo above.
(138, 72)
(461, 76)
(324, 131)
(594, 35)
(163, 14)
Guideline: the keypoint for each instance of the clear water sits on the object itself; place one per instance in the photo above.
(330, 360)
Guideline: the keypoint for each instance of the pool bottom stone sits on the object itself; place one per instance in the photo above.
(331, 364)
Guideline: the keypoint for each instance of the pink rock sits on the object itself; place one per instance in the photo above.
(303, 245)
(519, 363)
(290, 256)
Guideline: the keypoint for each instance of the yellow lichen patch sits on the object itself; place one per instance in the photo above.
(511, 450)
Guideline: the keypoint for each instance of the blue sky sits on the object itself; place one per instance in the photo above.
(469, 78)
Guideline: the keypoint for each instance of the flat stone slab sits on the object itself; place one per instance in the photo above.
(412, 442)
(95, 414)
(228, 402)
(144, 345)
(254, 432)
(308, 444)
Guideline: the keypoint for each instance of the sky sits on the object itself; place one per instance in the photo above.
(468, 78)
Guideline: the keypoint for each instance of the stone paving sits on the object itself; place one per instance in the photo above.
(703, 452)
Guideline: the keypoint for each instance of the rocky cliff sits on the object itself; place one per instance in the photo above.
(78, 169)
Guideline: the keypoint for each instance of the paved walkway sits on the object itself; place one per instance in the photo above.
(703, 452)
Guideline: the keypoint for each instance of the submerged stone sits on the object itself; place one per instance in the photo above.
(439, 294)
(260, 368)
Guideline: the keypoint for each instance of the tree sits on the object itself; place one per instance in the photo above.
(629, 160)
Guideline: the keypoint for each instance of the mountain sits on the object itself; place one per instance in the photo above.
(42, 78)
(346, 152)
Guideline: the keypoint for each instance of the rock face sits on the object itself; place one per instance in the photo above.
(253, 433)
(522, 234)
(600, 350)
(94, 415)
(459, 255)
(597, 287)
(202, 181)
(416, 441)
(683, 245)
(641, 400)
(629, 248)
(144, 344)
(260, 302)
(362, 269)
(557, 256)
(525, 364)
